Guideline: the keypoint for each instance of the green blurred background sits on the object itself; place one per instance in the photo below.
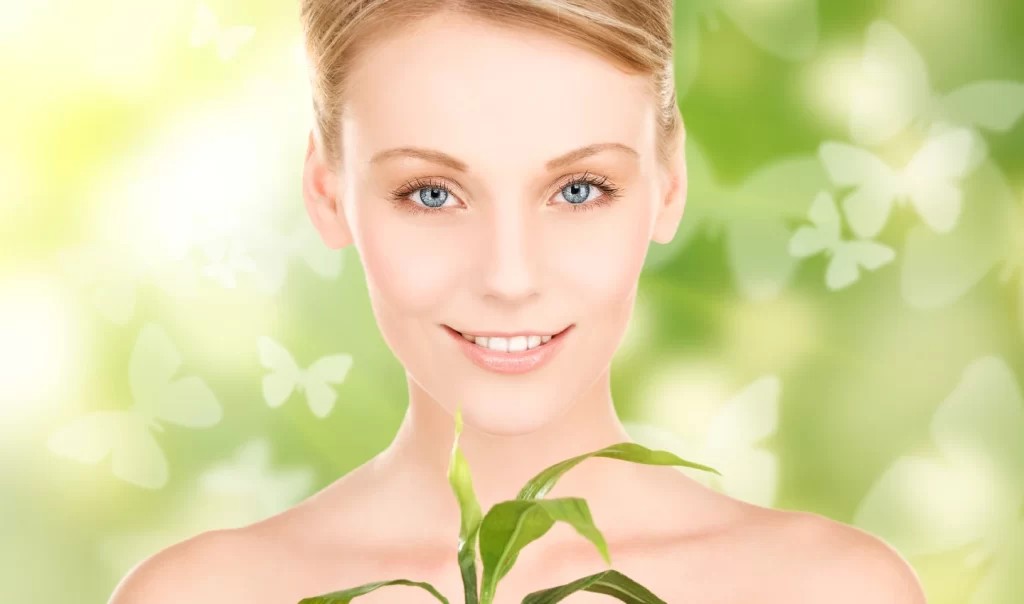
(153, 241)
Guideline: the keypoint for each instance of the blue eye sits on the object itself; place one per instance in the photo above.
(433, 197)
(576, 192)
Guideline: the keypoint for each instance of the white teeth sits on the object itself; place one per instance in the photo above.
(514, 344)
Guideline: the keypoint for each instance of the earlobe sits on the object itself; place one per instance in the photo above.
(320, 193)
(673, 202)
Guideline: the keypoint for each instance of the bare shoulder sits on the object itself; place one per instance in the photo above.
(840, 563)
(204, 568)
(282, 558)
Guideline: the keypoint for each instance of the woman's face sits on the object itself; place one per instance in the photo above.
(497, 238)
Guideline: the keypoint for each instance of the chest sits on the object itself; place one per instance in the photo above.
(705, 581)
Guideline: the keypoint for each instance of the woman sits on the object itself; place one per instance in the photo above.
(501, 167)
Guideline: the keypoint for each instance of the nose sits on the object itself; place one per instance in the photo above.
(512, 252)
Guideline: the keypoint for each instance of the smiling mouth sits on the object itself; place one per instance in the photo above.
(515, 355)
(510, 345)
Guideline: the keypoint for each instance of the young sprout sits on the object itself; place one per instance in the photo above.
(511, 525)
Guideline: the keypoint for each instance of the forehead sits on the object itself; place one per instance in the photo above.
(482, 92)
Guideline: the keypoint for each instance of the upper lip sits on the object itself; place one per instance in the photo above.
(509, 334)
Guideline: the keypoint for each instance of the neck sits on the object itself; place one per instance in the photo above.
(500, 465)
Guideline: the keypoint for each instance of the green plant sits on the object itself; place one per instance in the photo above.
(509, 526)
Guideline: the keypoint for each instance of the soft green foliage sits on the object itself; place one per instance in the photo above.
(608, 582)
(347, 595)
(462, 484)
(540, 484)
(509, 526)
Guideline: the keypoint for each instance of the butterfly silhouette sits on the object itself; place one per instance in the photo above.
(127, 436)
(273, 251)
(753, 216)
(229, 493)
(826, 236)
(207, 30)
(227, 258)
(286, 376)
(109, 277)
(897, 93)
(930, 182)
(250, 473)
(731, 442)
(969, 493)
(785, 28)
(940, 268)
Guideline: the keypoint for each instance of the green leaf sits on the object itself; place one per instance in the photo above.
(510, 526)
(462, 485)
(608, 582)
(539, 485)
(345, 596)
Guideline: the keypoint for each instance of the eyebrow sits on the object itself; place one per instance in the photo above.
(439, 157)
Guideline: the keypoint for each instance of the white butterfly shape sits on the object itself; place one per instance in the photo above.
(286, 376)
(249, 474)
(969, 494)
(109, 277)
(231, 493)
(826, 236)
(753, 216)
(732, 443)
(273, 251)
(930, 182)
(127, 436)
(938, 269)
(786, 28)
(227, 258)
(207, 29)
(897, 92)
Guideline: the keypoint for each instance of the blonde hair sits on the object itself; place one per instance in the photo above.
(634, 34)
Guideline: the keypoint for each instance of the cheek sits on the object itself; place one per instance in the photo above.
(601, 260)
(409, 266)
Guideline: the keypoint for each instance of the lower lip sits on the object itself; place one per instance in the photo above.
(510, 362)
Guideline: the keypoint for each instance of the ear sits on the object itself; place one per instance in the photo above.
(673, 200)
(320, 192)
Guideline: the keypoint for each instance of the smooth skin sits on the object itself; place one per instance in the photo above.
(507, 252)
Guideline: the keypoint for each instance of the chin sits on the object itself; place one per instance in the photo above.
(511, 411)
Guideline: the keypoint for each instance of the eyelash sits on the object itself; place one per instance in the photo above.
(399, 197)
